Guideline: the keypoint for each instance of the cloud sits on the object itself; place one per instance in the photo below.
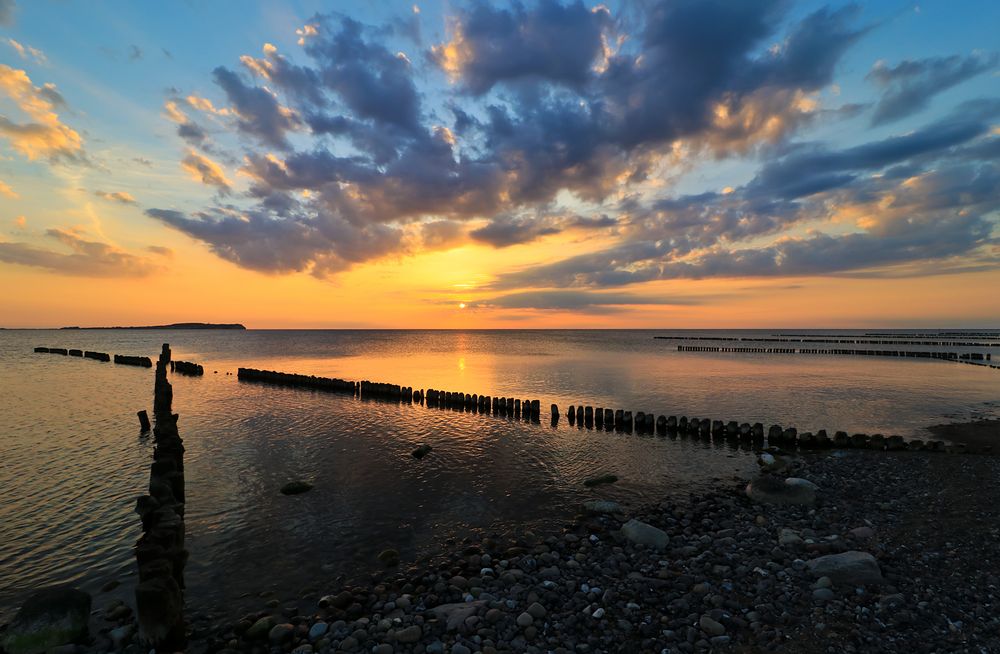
(27, 52)
(908, 86)
(116, 196)
(7, 192)
(506, 230)
(550, 41)
(134, 53)
(915, 200)
(7, 8)
(161, 250)
(258, 112)
(355, 152)
(85, 258)
(43, 135)
(142, 161)
(187, 129)
(206, 171)
(21, 222)
(577, 301)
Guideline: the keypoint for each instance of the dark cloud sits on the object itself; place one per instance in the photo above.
(506, 230)
(7, 8)
(908, 86)
(373, 82)
(549, 102)
(549, 41)
(577, 301)
(918, 199)
(85, 258)
(134, 53)
(161, 250)
(258, 112)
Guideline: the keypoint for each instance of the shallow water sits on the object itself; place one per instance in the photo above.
(72, 461)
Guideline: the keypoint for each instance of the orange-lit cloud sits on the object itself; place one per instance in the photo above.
(44, 135)
(121, 197)
(7, 191)
(28, 52)
(206, 171)
(85, 258)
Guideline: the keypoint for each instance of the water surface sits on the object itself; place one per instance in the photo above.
(72, 461)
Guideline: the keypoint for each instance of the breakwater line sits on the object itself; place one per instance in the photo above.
(602, 418)
(827, 339)
(974, 358)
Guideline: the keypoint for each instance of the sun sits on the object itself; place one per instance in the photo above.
(461, 305)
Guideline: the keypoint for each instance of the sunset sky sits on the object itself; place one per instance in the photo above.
(656, 163)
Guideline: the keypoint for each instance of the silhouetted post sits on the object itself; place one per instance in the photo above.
(143, 420)
(160, 552)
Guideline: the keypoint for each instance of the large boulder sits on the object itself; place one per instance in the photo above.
(49, 618)
(772, 490)
(642, 534)
(854, 568)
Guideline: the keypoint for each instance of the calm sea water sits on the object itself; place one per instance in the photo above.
(72, 461)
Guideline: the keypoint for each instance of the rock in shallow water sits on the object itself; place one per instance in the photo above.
(296, 487)
(49, 618)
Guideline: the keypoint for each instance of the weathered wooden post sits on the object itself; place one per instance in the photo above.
(160, 552)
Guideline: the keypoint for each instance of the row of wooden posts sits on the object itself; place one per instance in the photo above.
(183, 367)
(968, 357)
(850, 341)
(594, 417)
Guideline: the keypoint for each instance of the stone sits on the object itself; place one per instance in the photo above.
(318, 630)
(537, 611)
(455, 614)
(260, 629)
(121, 636)
(389, 557)
(409, 634)
(422, 451)
(459, 648)
(862, 533)
(296, 487)
(771, 490)
(384, 648)
(643, 534)
(524, 619)
(601, 479)
(49, 618)
(788, 537)
(280, 634)
(711, 627)
(856, 568)
(823, 595)
(602, 507)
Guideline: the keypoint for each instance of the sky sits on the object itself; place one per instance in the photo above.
(550, 164)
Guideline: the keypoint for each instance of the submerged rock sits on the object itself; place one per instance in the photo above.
(601, 479)
(49, 618)
(422, 451)
(296, 487)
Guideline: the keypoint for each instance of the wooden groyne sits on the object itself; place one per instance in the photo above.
(591, 417)
(160, 553)
(86, 354)
(832, 340)
(128, 360)
(518, 408)
(958, 357)
(187, 368)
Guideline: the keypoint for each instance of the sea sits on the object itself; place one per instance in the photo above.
(73, 460)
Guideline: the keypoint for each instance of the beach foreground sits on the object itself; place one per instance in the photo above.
(731, 574)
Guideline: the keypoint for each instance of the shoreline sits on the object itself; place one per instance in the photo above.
(732, 577)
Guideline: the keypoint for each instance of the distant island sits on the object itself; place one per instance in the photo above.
(176, 325)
